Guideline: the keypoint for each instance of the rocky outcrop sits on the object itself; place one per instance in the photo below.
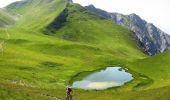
(150, 38)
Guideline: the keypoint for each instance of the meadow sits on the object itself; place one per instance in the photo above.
(38, 65)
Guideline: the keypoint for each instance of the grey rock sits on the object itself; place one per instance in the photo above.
(151, 39)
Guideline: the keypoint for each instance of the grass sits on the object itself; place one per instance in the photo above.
(36, 14)
(157, 70)
(38, 66)
(5, 19)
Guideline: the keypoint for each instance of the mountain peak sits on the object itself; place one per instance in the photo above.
(98, 11)
(133, 14)
(151, 39)
(70, 1)
(91, 5)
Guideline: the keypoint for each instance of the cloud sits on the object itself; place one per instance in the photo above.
(4, 3)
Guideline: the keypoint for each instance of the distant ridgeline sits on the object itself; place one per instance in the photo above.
(51, 43)
(150, 38)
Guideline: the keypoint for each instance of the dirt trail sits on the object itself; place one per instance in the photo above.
(2, 43)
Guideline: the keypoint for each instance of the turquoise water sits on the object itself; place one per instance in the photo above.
(103, 79)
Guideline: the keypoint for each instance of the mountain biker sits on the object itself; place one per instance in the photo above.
(69, 93)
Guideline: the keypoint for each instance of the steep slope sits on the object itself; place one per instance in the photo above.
(38, 62)
(151, 39)
(85, 27)
(45, 62)
(73, 23)
(6, 19)
(36, 14)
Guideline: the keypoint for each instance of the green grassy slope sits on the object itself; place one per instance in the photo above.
(36, 14)
(5, 19)
(38, 66)
(157, 68)
(33, 51)
(85, 27)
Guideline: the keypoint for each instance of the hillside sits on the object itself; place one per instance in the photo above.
(40, 58)
(36, 14)
(157, 70)
(6, 19)
(151, 39)
(85, 27)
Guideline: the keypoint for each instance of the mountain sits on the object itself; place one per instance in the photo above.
(52, 41)
(65, 20)
(150, 38)
(36, 14)
(55, 40)
(6, 19)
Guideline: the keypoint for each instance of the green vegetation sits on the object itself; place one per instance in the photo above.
(5, 19)
(36, 14)
(38, 66)
(157, 68)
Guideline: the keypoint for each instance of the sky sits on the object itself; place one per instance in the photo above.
(153, 11)
(4, 3)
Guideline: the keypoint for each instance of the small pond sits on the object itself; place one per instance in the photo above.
(104, 79)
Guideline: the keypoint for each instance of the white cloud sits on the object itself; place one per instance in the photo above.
(4, 3)
(154, 11)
